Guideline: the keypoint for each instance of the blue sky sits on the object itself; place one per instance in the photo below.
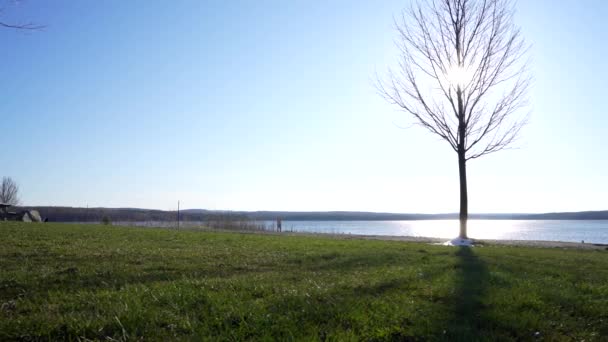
(270, 105)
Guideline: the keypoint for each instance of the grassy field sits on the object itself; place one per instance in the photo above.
(79, 282)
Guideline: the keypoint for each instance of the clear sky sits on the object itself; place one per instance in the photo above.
(270, 105)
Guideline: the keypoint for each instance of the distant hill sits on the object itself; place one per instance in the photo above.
(74, 214)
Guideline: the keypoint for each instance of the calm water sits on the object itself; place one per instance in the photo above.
(595, 231)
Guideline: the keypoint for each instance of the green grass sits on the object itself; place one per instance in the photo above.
(71, 282)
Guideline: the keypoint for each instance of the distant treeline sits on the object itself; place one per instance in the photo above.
(71, 214)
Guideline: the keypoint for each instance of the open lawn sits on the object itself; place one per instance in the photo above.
(60, 281)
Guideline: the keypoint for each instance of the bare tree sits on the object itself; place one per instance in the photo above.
(462, 75)
(9, 191)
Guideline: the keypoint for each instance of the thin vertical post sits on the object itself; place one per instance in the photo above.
(177, 214)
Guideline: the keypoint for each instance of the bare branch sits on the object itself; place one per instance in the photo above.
(28, 26)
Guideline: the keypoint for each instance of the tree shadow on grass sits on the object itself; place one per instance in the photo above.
(460, 316)
(466, 320)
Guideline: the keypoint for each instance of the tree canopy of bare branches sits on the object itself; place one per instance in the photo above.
(462, 75)
(9, 191)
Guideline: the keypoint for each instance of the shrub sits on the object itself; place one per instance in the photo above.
(106, 221)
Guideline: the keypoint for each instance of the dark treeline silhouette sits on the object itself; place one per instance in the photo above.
(72, 214)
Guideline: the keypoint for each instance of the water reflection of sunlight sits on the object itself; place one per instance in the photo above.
(439, 228)
(480, 229)
(493, 229)
(552, 230)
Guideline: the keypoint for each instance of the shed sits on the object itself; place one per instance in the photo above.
(30, 216)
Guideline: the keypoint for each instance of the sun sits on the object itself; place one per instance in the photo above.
(458, 76)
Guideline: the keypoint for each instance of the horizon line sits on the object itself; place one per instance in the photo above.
(319, 211)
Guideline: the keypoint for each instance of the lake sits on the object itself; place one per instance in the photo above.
(592, 231)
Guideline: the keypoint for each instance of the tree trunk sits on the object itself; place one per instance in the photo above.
(462, 162)
(464, 198)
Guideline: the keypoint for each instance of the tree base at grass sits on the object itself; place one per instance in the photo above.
(460, 242)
